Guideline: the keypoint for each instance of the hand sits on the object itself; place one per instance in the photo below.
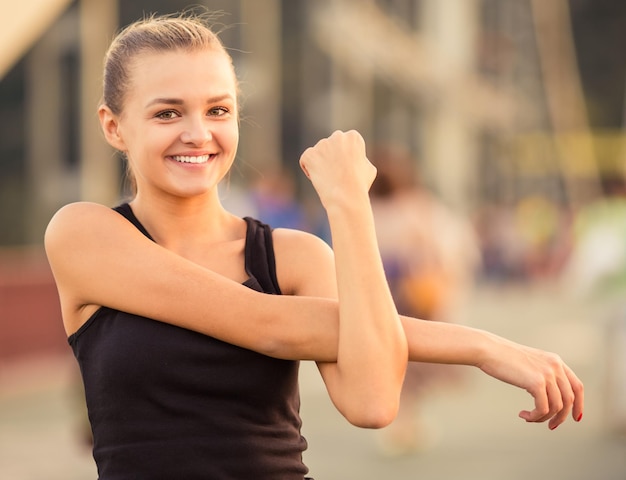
(338, 167)
(553, 385)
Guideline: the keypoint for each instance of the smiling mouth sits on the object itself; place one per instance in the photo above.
(191, 159)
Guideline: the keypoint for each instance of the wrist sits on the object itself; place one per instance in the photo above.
(347, 207)
(485, 349)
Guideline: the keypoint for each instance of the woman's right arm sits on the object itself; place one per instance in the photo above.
(99, 258)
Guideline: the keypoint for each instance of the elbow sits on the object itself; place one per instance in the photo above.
(373, 415)
(376, 404)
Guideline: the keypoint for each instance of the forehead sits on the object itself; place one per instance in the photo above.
(182, 72)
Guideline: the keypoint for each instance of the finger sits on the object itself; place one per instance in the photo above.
(542, 404)
(579, 394)
(306, 172)
(555, 400)
(567, 396)
(548, 401)
(303, 162)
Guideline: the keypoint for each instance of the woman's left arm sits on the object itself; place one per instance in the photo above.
(366, 380)
(373, 342)
(555, 388)
(305, 266)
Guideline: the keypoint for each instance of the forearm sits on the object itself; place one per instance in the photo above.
(372, 351)
(440, 342)
(138, 276)
(371, 338)
(87, 238)
(555, 388)
(297, 328)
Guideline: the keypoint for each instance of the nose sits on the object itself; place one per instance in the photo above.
(196, 132)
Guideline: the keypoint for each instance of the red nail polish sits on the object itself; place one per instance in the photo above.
(580, 417)
(552, 428)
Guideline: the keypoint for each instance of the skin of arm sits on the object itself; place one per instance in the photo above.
(369, 350)
(342, 189)
(556, 390)
(305, 266)
(372, 350)
(98, 257)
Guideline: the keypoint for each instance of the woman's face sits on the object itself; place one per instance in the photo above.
(179, 126)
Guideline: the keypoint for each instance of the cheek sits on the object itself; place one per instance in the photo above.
(230, 135)
(154, 141)
(236, 138)
(236, 131)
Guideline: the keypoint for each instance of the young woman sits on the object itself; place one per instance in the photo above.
(188, 322)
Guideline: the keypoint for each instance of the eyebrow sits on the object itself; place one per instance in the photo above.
(178, 101)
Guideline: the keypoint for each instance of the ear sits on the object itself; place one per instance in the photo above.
(110, 127)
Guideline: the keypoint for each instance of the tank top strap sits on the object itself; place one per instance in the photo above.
(260, 262)
(127, 212)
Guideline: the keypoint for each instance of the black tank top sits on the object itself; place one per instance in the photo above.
(168, 403)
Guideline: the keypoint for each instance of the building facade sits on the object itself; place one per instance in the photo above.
(463, 85)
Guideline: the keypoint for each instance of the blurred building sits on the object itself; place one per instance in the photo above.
(498, 100)
(485, 93)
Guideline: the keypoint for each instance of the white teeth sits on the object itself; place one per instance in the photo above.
(189, 159)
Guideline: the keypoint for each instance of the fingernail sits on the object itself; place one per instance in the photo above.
(580, 417)
(553, 427)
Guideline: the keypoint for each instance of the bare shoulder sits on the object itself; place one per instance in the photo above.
(81, 208)
(74, 241)
(299, 246)
(82, 238)
(77, 213)
(66, 221)
(305, 263)
(75, 222)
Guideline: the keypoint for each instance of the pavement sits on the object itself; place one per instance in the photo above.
(474, 426)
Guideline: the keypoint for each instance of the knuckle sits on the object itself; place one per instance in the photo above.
(538, 384)
(353, 135)
(557, 407)
(578, 388)
(542, 413)
(554, 360)
(568, 397)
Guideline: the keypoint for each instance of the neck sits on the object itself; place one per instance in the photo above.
(177, 223)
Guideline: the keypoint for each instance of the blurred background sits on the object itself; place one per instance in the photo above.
(511, 115)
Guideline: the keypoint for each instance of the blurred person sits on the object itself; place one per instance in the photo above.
(598, 261)
(430, 255)
(188, 322)
(502, 248)
(274, 196)
(545, 229)
(597, 269)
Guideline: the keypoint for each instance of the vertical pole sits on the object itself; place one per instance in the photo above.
(261, 37)
(99, 175)
(45, 172)
(566, 101)
(351, 94)
(449, 149)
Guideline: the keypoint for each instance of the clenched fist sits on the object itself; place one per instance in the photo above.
(338, 168)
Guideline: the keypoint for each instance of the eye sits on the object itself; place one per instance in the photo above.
(218, 111)
(167, 115)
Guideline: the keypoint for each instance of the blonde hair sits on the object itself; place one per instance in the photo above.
(186, 31)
